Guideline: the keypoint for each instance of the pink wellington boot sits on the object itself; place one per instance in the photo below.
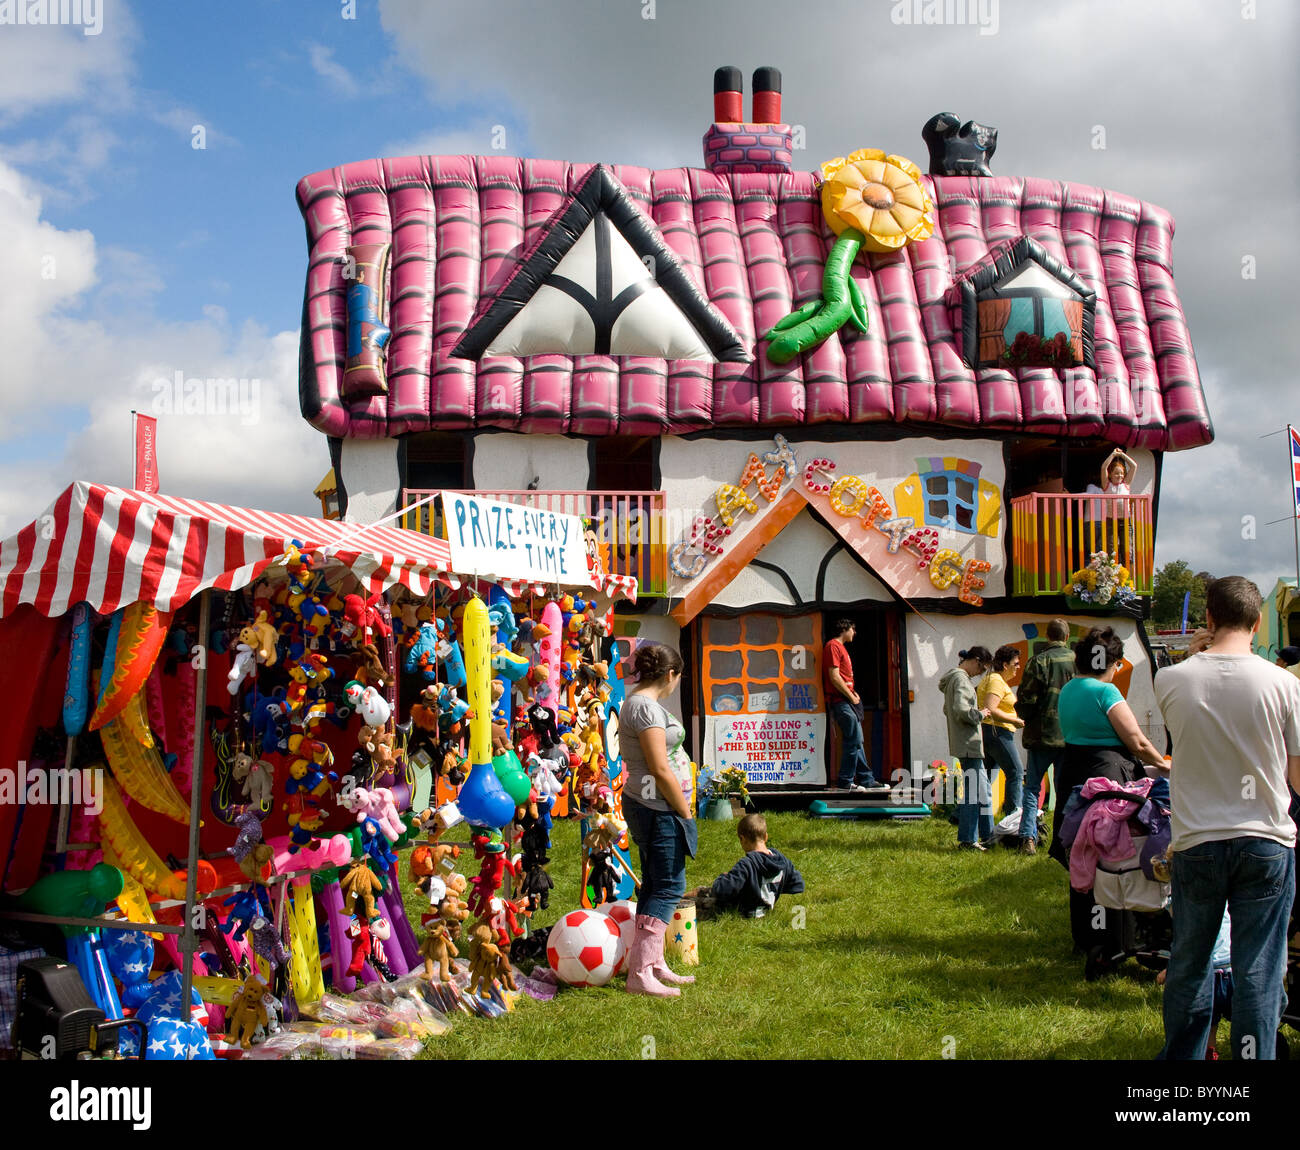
(647, 945)
(661, 969)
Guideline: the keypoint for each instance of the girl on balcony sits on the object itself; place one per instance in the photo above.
(1118, 473)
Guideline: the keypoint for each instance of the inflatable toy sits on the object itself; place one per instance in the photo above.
(76, 699)
(585, 948)
(367, 268)
(139, 633)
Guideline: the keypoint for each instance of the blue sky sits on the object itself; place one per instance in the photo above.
(171, 258)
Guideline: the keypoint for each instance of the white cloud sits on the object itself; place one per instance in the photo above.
(330, 70)
(48, 66)
(84, 348)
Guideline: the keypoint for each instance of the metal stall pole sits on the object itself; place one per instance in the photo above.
(189, 942)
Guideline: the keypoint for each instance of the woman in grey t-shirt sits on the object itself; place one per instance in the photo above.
(658, 815)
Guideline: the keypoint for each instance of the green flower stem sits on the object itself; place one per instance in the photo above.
(841, 302)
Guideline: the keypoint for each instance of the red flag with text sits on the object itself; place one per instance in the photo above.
(146, 454)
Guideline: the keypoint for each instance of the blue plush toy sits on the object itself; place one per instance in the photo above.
(244, 907)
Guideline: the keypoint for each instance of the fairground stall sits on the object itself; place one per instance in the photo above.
(226, 724)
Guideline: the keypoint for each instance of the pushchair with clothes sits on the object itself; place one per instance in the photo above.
(1117, 837)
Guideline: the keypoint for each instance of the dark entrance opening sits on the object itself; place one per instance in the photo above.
(878, 677)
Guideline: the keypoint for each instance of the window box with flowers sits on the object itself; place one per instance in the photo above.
(1104, 582)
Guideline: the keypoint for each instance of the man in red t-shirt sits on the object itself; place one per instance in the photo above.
(844, 706)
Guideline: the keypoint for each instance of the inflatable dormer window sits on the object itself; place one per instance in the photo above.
(1020, 307)
(599, 280)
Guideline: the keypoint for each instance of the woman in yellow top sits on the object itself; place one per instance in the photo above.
(1001, 725)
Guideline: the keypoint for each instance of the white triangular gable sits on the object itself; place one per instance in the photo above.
(552, 321)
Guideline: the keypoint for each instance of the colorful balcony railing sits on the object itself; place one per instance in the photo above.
(1055, 535)
(629, 525)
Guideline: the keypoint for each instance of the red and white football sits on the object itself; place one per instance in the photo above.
(622, 912)
(585, 948)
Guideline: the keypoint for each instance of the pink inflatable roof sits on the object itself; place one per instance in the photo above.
(755, 245)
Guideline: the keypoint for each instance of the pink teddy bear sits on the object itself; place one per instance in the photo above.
(377, 804)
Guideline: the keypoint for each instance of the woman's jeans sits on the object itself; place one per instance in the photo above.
(1000, 749)
(660, 839)
(1041, 760)
(1255, 879)
(975, 811)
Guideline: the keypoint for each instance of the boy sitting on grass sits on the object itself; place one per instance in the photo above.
(754, 884)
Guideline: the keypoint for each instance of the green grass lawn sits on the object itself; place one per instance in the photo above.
(908, 949)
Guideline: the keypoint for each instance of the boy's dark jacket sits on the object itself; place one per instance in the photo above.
(753, 885)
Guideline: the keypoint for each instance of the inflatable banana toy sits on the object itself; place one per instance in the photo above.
(134, 899)
(76, 700)
(133, 719)
(131, 849)
(136, 637)
(140, 772)
(476, 637)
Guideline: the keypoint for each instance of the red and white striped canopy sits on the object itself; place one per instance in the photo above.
(110, 547)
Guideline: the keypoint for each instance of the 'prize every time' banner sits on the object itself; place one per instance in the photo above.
(512, 541)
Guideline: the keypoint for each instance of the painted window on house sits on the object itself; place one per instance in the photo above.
(762, 664)
(950, 500)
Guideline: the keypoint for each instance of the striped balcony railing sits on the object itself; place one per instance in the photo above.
(1052, 536)
(629, 525)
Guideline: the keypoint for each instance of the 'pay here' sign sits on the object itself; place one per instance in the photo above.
(509, 540)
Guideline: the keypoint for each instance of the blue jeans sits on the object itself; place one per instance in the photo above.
(1000, 748)
(661, 841)
(854, 767)
(1041, 760)
(975, 811)
(1255, 878)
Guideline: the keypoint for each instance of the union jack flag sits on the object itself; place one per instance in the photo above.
(1295, 468)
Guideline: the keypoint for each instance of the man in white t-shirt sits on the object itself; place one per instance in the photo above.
(1235, 722)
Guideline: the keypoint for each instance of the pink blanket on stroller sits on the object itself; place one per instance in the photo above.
(1103, 834)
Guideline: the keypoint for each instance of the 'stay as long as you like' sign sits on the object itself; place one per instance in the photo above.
(511, 541)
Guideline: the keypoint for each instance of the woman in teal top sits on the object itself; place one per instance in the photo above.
(1102, 740)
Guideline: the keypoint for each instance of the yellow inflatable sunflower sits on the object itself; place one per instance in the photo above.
(873, 201)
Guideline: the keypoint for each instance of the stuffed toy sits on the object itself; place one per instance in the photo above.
(267, 942)
(502, 919)
(249, 851)
(531, 949)
(247, 1012)
(371, 672)
(243, 665)
(368, 946)
(453, 912)
(487, 963)
(257, 776)
(437, 949)
(375, 844)
(421, 656)
(305, 777)
(244, 909)
(374, 709)
(266, 715)
(450, 655)
(500, 739)
(360, 882)
(378, 804)
(363, 616)
(382, 747)
(260, 637)
(310, 672)
(537, 889)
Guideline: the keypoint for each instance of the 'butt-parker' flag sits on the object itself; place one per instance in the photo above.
(146, 453)
(1293, 434)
